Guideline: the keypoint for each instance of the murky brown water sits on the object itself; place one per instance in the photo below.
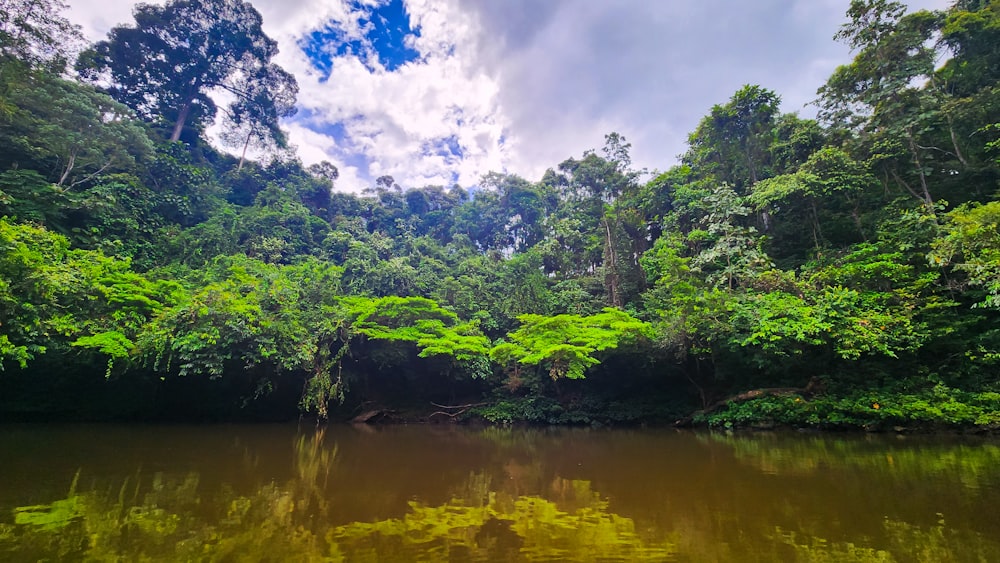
(282, 493)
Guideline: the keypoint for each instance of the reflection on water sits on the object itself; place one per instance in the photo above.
(280, 493)
(973, 464)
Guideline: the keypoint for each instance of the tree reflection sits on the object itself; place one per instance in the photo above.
(172, 518)
(970, 463)
(579, 528)
(516, 511)
(906, 543)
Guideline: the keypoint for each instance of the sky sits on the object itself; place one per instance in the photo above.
(438, 92)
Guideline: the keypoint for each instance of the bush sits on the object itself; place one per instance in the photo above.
(871, 409)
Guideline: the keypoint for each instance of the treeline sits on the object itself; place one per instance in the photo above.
(145, 274)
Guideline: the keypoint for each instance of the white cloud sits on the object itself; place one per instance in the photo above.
(397, 118)
(97, 18)
(520, 85)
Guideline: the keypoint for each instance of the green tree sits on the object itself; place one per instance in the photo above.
(567, 344)
(829, 178)
(247, 315)
(52, 297)
(71, 131)
(971, 245)
(421, 321)
(165, 66)
(253, 121)
(971, 30)
(733, 253)
(878, 96)
(733, 142)
(35, 32)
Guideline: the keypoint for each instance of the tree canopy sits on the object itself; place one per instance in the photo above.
(166, 66)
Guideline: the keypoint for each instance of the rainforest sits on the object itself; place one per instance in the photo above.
(834, 272)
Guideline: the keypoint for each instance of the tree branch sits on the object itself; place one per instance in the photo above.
(449, 407)
(91, 176)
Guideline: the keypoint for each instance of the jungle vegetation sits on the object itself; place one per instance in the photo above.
(146, 274)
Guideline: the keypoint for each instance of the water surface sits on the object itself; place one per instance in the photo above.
(429, 493)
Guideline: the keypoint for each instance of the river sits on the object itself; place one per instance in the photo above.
(442, 493)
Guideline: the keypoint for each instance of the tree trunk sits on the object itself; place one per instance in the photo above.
(954, 142)
(856, 216)
(70, 162)
(814, 387)
(752, 167)
(915, 154)
(611, 267)
(243, 155)
(179, 124)
(817, 231)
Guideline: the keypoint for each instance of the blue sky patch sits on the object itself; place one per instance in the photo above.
(310, 120)
(313, 47)
(386, 28)
(390, 24)
(335, 131)
(446, 147)
(338, 132)
(344, 152)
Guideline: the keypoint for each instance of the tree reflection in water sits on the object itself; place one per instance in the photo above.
(517, 512)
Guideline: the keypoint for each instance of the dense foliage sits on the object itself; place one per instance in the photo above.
(144, 273)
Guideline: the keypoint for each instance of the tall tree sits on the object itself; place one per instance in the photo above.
(972, 31)
(254, 119)
(34, 32)
(733, 141)
(877, 94)
(166, 65)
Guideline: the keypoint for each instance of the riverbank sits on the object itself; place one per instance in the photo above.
(607, 398)
(935, 410)
(938, 408)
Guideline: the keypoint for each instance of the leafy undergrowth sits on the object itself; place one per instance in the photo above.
(584, 411)
(935, 408)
